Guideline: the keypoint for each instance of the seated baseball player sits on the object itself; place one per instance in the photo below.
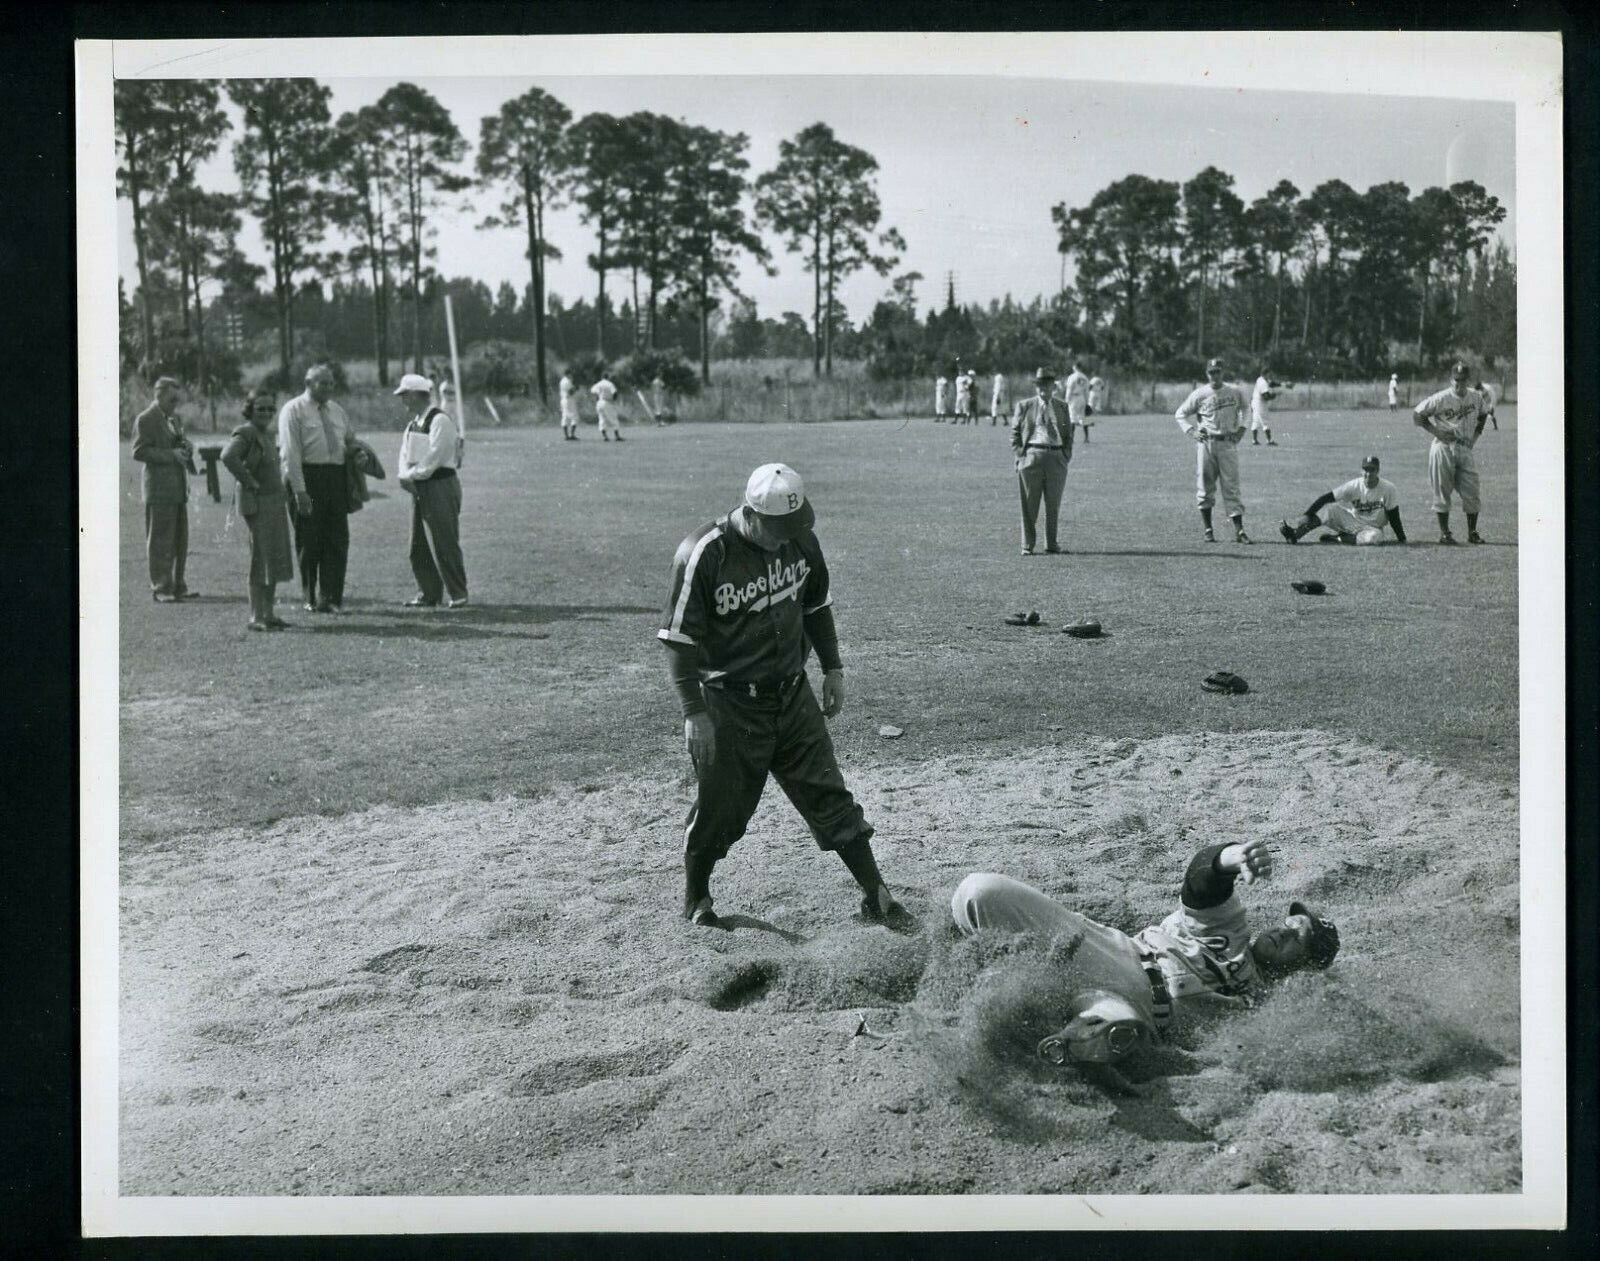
(1358, 511)
(1129, 987)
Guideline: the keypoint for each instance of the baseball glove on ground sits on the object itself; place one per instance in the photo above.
(1082, 630)
(1226, 683)
(1309, 586)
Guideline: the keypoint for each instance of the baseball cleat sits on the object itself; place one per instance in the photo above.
(1027, 551)
(1474, 537)
(883, 909)
(1209, 537)
(1240, 536)
(1447, 539)
(1287, 530)
(1055, 551)
(702, 916)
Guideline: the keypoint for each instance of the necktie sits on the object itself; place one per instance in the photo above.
(327, 432)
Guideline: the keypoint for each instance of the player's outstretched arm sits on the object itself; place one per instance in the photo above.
(1249, 860)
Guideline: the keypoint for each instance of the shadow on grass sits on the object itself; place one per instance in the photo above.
(1209, 553)
(737, 920)
(501, 614)
(432, 629)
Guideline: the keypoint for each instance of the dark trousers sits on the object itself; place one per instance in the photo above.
(1041, 474)
(166, 545)
(436, 514)
(322, 540)
(786, 736)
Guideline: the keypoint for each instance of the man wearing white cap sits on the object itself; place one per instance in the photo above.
(1455, 416)
(428, 475)
(1394, 390)
(1125, 989)
(748, 603)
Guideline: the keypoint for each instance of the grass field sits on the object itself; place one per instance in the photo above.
(399, 889)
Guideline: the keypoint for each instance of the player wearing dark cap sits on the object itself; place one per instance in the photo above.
(1210, 415)
(749, 601)
(1128, 989)
(1455, 417)
(1359, 511)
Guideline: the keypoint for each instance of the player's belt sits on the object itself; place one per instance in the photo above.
(1160, 996)
(1039, 446)
(760, 688)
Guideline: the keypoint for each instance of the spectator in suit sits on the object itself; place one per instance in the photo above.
(1041, 436)
(252, 457)
(168, 459)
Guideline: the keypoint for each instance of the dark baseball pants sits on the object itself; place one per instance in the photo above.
(787, 737)
(322, 540)
(166, 546)
(1041, 474)
(436, 514)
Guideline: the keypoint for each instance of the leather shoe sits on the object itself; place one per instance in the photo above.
(163, 597)
(456, 604)
(321, 606)
(418, 602)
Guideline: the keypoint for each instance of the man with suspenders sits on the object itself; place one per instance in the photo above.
(428, 456)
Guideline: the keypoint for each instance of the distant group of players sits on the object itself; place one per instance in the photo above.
(1362, 510)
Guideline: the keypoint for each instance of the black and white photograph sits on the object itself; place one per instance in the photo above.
(822, 632)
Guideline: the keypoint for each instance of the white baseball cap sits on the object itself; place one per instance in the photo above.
(776, 494)
(412, 383)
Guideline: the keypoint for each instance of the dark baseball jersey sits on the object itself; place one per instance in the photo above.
(742, 607)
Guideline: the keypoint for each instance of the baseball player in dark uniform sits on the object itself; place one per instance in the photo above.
(749, 602)
(1127, 989)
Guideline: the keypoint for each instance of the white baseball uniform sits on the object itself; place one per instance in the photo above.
(997, 398)
(1454, 421)
(1097, 393)
(1394, 392)
(941, 389)
(964, 392)
(1076, 392)
(605, 408)
(1363, 510)
(1217, 455)
(569, 401)
(1261, 405)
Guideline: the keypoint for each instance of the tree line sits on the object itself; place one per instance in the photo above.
(671, 208)
(1332, 276)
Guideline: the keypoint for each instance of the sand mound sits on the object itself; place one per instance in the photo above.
(500, 997)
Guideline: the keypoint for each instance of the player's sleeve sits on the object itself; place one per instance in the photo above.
(816, 594)
(1394, 522)
(689, 596)
(1346, 492)
(1205, 884)
(1187, 408)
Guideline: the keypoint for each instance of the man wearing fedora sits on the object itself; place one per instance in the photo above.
(1124, 990)
(1041, 437)
(428, 474)
(314, 442)
(749, 602)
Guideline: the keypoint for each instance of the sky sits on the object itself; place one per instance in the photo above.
(969, 165)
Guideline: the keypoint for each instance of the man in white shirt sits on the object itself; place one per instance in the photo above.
(941, 396)
(1394, 390)
(1216, 433)
(1097, 395)
(1076, 392)
(428, 475)
(1359, 511)
(315, 441)
(997, 399)
(569, 407)
(1261, 406)
(605, 408)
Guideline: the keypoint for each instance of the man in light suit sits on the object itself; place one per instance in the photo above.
(168, 459)
(1041, 436)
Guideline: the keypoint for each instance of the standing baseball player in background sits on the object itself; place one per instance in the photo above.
(1261, 405)
(966, 408)
(1455, 417)
(749, 600)
(569, 407)
(1128, 989)
(1358, 510)
(941, 389)
(1217, 435)
(1394, 390)
(1097, 398)
(1489, 400)
(998, 395)
(605, 407)
(1076, 394)
(1041, 437)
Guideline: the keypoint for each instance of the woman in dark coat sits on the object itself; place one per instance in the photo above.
(252, 457)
